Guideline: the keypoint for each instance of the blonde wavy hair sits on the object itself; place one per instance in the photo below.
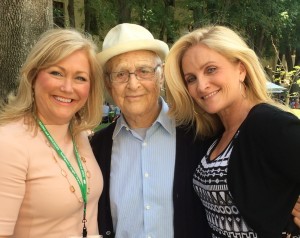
(232, 46)
(53, 46)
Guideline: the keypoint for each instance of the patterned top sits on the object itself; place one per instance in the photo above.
(210, 183)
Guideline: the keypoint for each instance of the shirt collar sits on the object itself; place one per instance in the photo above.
(163, 120)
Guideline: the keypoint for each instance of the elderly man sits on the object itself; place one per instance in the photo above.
(147, 163)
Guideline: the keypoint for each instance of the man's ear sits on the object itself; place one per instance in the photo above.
(162, 76)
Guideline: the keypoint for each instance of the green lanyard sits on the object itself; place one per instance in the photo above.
(82, 184)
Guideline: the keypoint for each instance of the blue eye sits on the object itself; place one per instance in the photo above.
(55, 73)
(190, 79)
(211, 70)
(81, 78)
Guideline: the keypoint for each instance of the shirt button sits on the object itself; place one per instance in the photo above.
(147, 207)
(144, 143)
(148, 236)
(146, 175)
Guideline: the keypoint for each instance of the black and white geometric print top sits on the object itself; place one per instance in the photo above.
(210, 183)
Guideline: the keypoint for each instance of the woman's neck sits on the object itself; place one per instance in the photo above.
(60, 133)
(232, 119)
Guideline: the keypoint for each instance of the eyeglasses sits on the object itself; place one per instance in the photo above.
(142, 73)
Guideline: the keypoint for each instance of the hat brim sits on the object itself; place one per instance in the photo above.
(157, 46)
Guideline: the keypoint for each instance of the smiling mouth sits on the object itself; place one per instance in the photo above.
(65, 100)
(133, 96)
(210, 95)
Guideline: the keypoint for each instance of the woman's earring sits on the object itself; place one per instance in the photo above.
(196, 113)
(31, 106)
(80, 114)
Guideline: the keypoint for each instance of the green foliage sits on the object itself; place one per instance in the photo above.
(104, 14)
(289, 79)
(259, 20)
(262, 23)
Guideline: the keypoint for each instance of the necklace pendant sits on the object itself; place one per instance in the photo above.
(64, 173)
(88, 190)
(55, 159)
(72, 189)
(82, 182)
(88, 174)
(47, 143)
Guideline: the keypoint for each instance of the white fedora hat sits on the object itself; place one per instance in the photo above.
(127, 37)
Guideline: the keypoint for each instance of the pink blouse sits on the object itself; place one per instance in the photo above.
(35, 198)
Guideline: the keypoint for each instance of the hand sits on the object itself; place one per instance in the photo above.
(296, 212)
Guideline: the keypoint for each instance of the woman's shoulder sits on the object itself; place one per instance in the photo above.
(266, 112)
(14, 129)
(17, 141)
(265, 120)
(264, 108)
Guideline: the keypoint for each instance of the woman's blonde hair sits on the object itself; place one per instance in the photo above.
(53, 46)
(227, 43)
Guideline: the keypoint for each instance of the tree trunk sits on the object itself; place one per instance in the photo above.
(197, 16)
(170, 8)
(288, 58)
(297, 59)
(124, 11)
(87, 16)
(71, 13)
(21, 22)
(260, 43)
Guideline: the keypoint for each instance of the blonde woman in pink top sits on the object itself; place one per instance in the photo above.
(50, 182)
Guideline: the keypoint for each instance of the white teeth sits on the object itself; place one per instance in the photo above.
(211, 94)
(63, 99)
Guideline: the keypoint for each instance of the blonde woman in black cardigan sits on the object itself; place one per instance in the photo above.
(248, 179)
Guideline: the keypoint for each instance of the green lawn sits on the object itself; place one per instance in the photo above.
(102, 125)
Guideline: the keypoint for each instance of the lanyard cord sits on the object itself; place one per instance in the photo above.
(82, 184)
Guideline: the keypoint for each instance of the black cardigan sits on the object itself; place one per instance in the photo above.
(189, 215)
(264, 169)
